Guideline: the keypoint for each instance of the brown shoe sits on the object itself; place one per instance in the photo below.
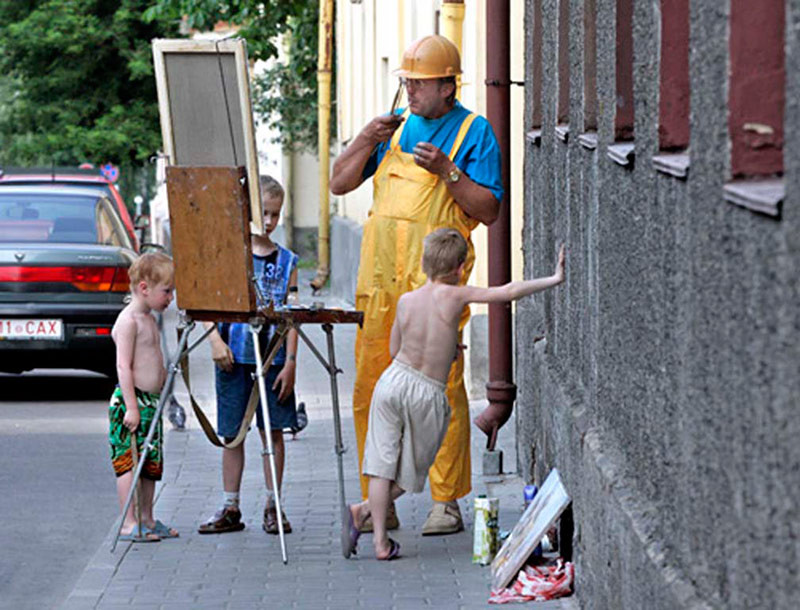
(392, 522)
(270, 523)
(444, 518)
(227, 519)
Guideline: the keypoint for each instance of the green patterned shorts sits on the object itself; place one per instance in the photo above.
(119, 437)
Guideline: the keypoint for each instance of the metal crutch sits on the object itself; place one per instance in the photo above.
(162, 400)
(255, 328)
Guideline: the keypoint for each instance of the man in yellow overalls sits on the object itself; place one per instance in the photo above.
(418, 187)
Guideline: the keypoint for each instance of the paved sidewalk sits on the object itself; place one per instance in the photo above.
(244, 569)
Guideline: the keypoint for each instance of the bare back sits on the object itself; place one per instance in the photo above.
(427, 323)
(139, 347)
(425, 331)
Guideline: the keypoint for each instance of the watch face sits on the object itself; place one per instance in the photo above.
(454, 175)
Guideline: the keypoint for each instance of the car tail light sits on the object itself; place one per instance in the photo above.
(87, 331)
(122, 282)
(86, 279)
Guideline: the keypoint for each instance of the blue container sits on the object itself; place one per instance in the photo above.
(529, 493)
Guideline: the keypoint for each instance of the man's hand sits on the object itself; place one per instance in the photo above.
(222, 354)
(427, 156)
(381, 128)
(131, 419)
(285, 380)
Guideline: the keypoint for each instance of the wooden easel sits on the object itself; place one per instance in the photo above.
(209, 210)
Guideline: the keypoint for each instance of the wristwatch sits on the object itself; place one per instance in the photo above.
(454, 175)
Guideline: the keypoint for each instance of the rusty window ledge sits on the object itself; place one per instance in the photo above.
(588, 140)
(764, 196)
(672, 164)
(534, 136)
(622, 153)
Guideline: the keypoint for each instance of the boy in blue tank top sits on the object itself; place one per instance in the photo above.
(234, 356)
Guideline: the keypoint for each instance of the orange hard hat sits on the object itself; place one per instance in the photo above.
(430, 57)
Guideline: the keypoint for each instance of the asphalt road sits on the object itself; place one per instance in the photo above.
(57, 494)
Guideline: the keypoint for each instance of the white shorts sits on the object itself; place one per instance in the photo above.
(408, 418)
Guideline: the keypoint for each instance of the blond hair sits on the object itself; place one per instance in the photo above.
(152, 267)
(270, 186)
(444, 251)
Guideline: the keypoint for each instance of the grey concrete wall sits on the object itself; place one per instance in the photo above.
(667, 387)
(345, 255)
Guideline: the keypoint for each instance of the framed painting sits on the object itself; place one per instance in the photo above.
(539, 517)
(206, 110)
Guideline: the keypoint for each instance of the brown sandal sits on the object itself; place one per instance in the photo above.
(270, 523)
(225, 520)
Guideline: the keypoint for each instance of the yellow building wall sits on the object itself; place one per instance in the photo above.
(370, 38)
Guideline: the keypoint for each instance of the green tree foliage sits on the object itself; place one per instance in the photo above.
(285, 95)
(76, 82)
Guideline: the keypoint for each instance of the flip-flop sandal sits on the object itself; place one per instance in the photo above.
(145, 534)
(350, 534)
(164, 531)
(394, 551)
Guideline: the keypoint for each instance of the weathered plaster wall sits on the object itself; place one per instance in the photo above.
(667, 387)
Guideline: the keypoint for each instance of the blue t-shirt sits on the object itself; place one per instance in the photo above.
(273, 272)
(478, 157)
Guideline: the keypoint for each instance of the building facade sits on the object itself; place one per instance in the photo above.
(663, 378)
(371, 36)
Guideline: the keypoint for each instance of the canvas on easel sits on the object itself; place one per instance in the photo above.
(208, 209)
(205, 108)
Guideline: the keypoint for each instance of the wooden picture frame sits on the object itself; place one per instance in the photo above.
(206, 111)
(539, 517)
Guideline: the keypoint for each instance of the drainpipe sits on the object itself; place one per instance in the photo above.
(288, 199)
(451, 20)
(288, 177)
(500, 391)
(324, 63)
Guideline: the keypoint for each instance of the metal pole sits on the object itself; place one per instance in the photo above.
(451, 19)
(337, 430)
(172, 369)
(324, 64)
(262, 393)
(137, 503)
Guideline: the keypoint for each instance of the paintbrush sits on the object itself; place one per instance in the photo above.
(397, 97)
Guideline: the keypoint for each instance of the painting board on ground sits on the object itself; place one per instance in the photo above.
(205, 108)
(539, 517)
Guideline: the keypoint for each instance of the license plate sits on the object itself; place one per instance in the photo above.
(31, 329)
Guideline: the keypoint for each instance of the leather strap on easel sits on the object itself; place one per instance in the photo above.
(272, 350)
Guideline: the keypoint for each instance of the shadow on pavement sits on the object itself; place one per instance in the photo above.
(56, 386)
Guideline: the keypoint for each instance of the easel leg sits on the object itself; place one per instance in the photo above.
(333, 370)
(137, 497)
(337, 430)
(162, 400)
(262, 393)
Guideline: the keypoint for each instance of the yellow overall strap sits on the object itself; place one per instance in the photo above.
(462, 133)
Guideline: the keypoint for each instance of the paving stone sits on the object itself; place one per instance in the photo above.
(244, 569)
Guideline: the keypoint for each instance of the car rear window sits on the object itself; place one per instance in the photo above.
(59, 218)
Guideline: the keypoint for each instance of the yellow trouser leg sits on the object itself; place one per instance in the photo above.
(450, 477)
